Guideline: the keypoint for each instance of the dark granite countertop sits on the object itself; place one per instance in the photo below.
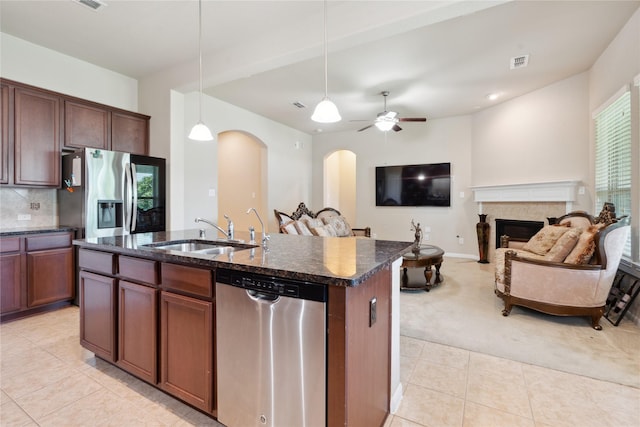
(34, 230)
(340, 261)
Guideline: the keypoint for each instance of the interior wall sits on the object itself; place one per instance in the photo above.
(288, 162)
(35, 65)
(240, 188)
(542, 136)
(340, 184)
(437, 141)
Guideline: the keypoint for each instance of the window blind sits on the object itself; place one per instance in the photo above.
(613, 157)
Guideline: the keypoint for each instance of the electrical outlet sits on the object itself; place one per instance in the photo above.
(24, 217)
(461, 240)
(427, 237)
(212, 192)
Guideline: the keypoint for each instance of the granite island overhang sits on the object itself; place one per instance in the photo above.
(335, 261)
(362, 351)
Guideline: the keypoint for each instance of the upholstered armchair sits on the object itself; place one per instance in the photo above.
(304, 222)
(573, 280)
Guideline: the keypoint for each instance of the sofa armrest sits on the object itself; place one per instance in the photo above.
(552, 282)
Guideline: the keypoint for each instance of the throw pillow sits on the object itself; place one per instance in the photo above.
(564, 245)
(303, 229)
(289, 228)
(340, 224)
(584, 249)
(324, 231)
(544, 239)
(313, 223)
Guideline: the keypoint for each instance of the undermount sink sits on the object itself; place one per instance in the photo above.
(200, 246)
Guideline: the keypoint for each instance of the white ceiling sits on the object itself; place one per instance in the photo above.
(437, 58)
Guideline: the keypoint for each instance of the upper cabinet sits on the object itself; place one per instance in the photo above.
(86, 125)
(36, 138)
(37, 124)
(130, 133)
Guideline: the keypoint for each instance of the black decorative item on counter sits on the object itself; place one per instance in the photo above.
(483, 230)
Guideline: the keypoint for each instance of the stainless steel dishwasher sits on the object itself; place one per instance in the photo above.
(271, 351)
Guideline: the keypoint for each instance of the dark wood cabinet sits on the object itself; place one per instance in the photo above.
(186, 349)
(86, 125)
(137, 330)
(98, 314)
(129, 133)
(36, 139)
(49, 276)
(10, 283)
(37, 273)
(5, 124)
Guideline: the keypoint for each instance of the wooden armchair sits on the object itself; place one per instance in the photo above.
(559, 287)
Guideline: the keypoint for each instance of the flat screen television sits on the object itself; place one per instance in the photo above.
(414, 185)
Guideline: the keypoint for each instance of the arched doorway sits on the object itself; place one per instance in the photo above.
(242, 179)
(340, 183)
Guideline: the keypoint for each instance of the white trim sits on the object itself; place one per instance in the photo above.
(636, 80)
(559, 191)
(610, 101)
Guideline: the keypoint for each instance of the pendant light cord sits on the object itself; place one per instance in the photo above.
(200, 56)
(326, 67)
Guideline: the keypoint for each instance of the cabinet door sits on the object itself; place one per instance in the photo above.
(49, 276)
(137, 330)
(98, 314)
(86, 126)
(186, 352)
(10, 283)
(36, 138)
(4, 134)
(129, 133)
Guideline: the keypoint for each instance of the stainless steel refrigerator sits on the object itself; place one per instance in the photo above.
(108, 193)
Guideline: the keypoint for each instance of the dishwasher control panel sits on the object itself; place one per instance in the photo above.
(272, 285)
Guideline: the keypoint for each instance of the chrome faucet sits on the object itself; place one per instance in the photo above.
(265, 236)
(229, 227)
(213, 225)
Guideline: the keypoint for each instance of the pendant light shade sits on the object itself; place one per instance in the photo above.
(326, 111)
(200, 132)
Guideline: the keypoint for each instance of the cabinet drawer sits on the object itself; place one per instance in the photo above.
(10, 244)
(138, 269)
(196, 281)
(102, 262)
(48, 241)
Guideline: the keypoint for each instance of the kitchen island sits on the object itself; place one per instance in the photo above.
(152, 312)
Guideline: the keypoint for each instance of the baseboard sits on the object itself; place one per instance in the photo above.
(396, 398)
(458, 255)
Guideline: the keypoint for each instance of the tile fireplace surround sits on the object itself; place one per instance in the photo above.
(527, 202)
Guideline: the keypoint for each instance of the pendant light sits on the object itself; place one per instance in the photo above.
(326, 111)
(200, 132)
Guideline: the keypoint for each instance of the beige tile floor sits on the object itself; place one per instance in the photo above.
(47, 379)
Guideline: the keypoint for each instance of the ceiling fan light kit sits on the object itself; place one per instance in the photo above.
(200, 132)
(326, 111)
(388, 120)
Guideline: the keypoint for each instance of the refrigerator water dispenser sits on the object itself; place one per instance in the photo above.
(110, 213)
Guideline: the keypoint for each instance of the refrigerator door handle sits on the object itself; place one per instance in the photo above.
(134, 199)
(128, 204)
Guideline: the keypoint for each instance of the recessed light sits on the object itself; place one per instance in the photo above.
(493, 96)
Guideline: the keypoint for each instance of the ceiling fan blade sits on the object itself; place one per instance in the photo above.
(412, 119)
(364, 128)
(396, 128)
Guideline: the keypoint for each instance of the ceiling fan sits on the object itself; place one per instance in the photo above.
(388, 120)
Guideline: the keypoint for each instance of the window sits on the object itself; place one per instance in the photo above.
(613, 170)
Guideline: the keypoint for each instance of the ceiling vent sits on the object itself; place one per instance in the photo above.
(299, 104)
(92, 4)
(519, 62)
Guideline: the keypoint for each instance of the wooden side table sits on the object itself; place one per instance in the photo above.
(428, 256)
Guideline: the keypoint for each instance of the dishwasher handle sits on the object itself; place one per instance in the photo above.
(262, 296)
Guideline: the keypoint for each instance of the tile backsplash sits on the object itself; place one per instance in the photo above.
(40, 205)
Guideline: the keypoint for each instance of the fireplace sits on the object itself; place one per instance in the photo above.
(517, 230)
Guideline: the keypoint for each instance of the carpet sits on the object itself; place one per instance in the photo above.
(464, 312)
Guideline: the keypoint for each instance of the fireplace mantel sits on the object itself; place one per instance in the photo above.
(558, 191)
